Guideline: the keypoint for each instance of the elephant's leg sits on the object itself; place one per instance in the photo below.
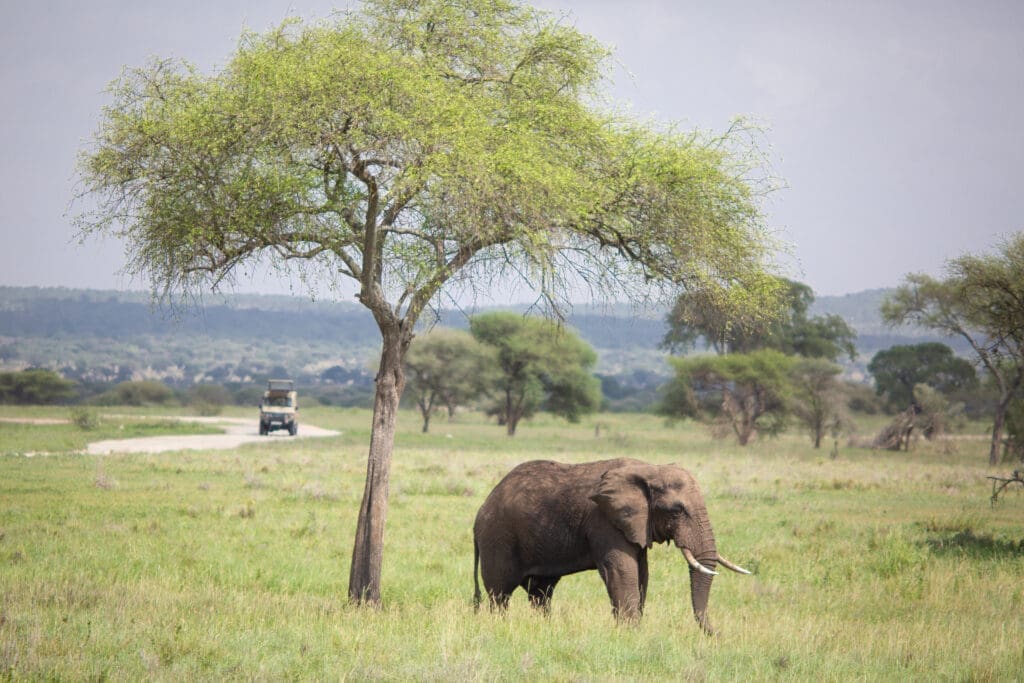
(499, 599)
(540, 589)
(642, 577)
(500, 573)
(620, 570)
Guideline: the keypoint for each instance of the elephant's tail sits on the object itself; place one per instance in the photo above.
(476, 582)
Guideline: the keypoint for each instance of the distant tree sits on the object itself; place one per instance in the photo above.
(448, 367)
(209, 399)
(862, 399)
(406, 145)
(897, 370)
(817, 399)
(980, 300)
(696, 315)
(35, 386)
(136, 393)
(542, 365)
(745, 393)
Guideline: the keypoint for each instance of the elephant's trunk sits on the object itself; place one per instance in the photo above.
(702, 556)
(700, 589)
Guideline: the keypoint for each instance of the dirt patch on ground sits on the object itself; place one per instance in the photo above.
(237, 431)
(35, 420)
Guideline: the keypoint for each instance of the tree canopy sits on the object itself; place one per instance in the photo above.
(898, 369)
(746, 394)
(817, 399)
(407, 146)
(35, 386)
(696, 316)
(448, 368)
(542, 365)
(981, 300)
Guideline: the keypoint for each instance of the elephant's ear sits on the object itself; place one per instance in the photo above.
(622, 497)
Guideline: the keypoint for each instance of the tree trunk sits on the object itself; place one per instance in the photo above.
(425, 412)
(511, 414)
(997, 430)
(367, 555)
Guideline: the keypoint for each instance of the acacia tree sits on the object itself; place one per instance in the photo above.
(404, 146)
(541, 365)
(817, 397)
(447, 367)
(746, 393)
(981, 300)
(696, 315)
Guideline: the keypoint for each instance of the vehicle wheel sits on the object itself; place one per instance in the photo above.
(293, 428)
(263, 429)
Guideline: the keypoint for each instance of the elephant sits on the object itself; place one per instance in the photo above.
(545, 520)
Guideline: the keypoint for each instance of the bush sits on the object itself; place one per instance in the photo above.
(142, 393)
(85, 418)
(862, 399)
(209, 399)
(207, 409)
(35, 386)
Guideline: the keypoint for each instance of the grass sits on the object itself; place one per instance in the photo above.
(234, 564)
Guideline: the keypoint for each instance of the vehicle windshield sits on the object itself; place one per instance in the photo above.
(279, 401)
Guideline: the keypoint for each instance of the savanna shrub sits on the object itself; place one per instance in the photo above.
(139, 393)
(85, 418)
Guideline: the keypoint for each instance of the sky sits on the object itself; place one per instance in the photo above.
(897, 126)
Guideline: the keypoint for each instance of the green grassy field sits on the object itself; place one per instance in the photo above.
(234, 564)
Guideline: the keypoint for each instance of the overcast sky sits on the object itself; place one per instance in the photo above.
(897, 126)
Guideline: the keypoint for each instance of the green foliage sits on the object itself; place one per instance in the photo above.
(817, 399)
(136, 393)
(85, 418)
(979, 301)
(936, 415)
(35, 386)
(745, 393)
(697, 316)
(400, 142)
(899, 369)
(861, 399)
(448, 368)
(543, 365)
(209, 399)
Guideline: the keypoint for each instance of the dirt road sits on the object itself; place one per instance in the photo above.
(237, 431)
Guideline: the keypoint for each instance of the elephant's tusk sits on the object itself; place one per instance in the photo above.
(729, 565)
(692, 561)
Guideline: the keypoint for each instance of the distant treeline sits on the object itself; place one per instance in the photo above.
(113, 317)
(108, 336)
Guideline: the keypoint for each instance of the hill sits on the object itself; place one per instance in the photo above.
(106, 336)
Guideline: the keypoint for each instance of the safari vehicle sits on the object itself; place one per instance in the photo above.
(279, 407)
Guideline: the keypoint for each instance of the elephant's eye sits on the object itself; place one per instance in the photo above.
(674, 508)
